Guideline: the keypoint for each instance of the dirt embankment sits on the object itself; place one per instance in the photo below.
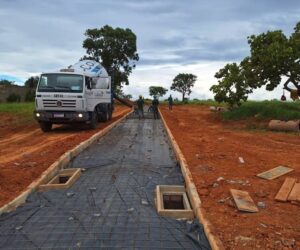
(212, 149)
(25, 151)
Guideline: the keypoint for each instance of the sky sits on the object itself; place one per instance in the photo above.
(173, 36)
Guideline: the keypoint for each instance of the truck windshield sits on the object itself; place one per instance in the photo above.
(61, 83)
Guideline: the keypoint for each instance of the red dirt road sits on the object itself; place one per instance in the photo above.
(212, 148)
(25, 152)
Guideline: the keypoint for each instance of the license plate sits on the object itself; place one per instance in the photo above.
(59, 115)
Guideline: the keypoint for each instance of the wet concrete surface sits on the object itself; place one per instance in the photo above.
(111, 205)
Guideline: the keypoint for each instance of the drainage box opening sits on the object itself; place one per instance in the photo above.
(173, 201)
(60, 179)
(64, 179)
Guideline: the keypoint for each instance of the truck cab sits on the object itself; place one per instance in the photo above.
(78, 94)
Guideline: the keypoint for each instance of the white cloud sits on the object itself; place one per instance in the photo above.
(173, 36)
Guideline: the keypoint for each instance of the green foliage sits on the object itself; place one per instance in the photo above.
(115, 49)
(129, 97)
(13, 98)
(18, 108)
(157, 91)
(22, 111)
(232, 87)
(6, 82)
(32, 82)
(183, 83)
(273, 57)
(30, 95)
(265, 110)
(198, 102)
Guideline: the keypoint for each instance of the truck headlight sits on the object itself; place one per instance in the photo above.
(80, 115)
(38, 114)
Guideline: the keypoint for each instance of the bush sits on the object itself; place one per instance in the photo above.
(13, 98)
(265, 110)
(30, 96)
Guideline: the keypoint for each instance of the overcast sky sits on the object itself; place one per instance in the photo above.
(174, 36)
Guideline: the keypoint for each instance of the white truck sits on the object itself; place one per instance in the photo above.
(80, 93)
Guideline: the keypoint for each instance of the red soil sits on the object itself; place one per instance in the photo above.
(212, 149)
(25, 151)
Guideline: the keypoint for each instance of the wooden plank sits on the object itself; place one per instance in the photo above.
(285, 189)
(243, 201)
(295, 193)
(275, 172)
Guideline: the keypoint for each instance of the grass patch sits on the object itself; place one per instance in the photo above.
(23, 108)
(265, 110)
(22, 111)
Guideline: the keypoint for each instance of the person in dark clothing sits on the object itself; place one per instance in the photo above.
(155, 108)
(170, 100)
(140, 104)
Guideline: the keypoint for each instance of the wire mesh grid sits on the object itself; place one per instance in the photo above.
(112, 204)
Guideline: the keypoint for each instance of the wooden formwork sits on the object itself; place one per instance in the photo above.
(72, 174)
(210, 232)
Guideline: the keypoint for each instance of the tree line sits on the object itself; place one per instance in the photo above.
(273, 57)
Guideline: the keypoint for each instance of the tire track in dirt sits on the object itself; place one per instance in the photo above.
(28, 145)
(25, 152)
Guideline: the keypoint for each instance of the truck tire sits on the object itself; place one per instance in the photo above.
(93, 120)
(46, 126)
(104, 113)
(110, 112)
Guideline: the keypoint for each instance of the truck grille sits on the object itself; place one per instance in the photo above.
(59, 103)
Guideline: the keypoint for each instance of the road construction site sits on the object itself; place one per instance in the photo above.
(113, 203)
(27, 150)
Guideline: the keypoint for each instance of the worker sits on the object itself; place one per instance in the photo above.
(155, 108)
(140, 104)
(170, 100)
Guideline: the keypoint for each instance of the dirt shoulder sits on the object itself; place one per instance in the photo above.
(25, 151)
(212, 149)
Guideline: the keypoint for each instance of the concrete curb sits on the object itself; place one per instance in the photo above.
(59, 164)
(210, 232)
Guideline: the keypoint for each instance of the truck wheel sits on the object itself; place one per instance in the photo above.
(110, 111)
(93, 120)
(46, 126)
(104, 114)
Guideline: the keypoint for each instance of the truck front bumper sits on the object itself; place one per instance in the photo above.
(60, 117)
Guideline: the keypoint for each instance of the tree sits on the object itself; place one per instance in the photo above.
(183, 83)
(157, 91)
(13, 98)
(32, 82)
(232, 87)
(6, 82)
(273, 58)
(115, 49)
(128, 96)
